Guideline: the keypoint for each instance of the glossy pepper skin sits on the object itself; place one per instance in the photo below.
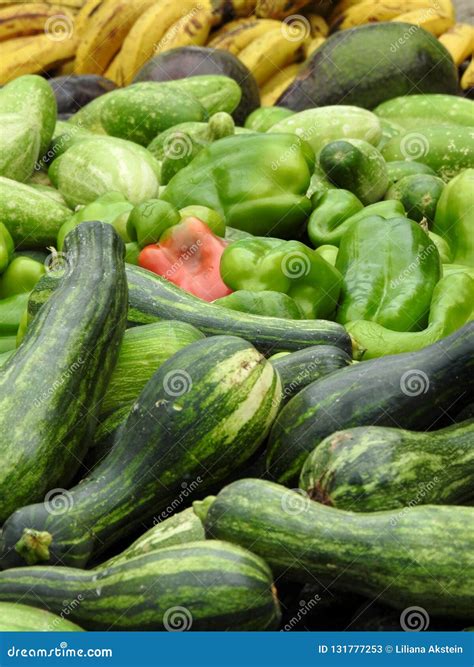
(258, 264)
(11, 311)
(258, 182)
(454, 218)
(148, 220)
(266, 303)
(188, 255)
(20, 276)
(6, 247)
(389, 270)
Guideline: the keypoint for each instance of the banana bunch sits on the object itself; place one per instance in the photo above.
(36, 36)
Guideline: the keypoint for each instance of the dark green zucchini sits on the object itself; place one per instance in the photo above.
(298, 369)
(372, 468)
(412, 390)
(419, 194)
(50, 387)
(200, 586)
(419, 555)
(21, 618)
(204, 412)
(153, 298)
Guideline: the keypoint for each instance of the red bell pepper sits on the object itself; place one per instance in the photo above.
(189, 256)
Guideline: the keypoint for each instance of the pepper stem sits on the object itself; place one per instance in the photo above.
(33, 546)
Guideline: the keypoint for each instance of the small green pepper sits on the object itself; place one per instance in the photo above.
(148, 221)
(261, 264)
(389, 270)
(21, 275)
(443, 248)
(329, 253)
(6, 247)
(11, 311)
(213, 219)
(267, 303)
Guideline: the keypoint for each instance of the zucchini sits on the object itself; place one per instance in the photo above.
(202, 585)
(372, 468)
(411, 390)
(61, 369)
(419, 194)
(153, 298)
(298, 369)
(203, 413)
(22, 618)
(423, 554)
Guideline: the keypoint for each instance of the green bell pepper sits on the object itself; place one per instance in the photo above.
(267, 303)
(11, 310)
(389, 270)
(6, 247)
(454, 218)
(111, 207)
(443, 247)
(260, 264)
(335, 213)
(213, 219)
(451, 308)
(257, 182)
(329, 253)
(147, 221)
(21, 275)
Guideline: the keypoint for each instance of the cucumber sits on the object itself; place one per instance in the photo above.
(142, 351)
(422, 110)
(207, 585)
(419, 194)
(398, 169)
(214, 91)
(180, 528)
(298, 369)
(357, 166)
(204, 412)
(16, 617)
(61, 369)
(447, 150)
(32, 217)
(19, 146)
(411, 390)
(420, 554)
(372, 468)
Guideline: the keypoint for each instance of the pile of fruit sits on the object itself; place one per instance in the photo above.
(237, 341)
(115, 38)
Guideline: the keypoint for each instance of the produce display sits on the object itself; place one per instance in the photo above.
(236, 315)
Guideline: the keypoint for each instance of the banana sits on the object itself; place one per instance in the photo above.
(271, 52)
(224, 10)
(341, 7)
(140, 43)
(19, 20)
(104, 33)
(318, 26)
(37, 53)
(274, 87)
(71, 4)
(459, 41)
(191, 29)
(243, 35)
(278, 9)
(428, 19)
(374, 12)
(85, 14)
(67, 67)
(310, 47)
(467, 79)
(113, 70)
(232, 25)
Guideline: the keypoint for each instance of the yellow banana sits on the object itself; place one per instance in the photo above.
(104, 33)
(427, 19)
(317, 24)
(232, 9)
(113, 70)
(28, 55)
(19, 20)
(71, 4)
(232, 25)
(459, 41)
(237, 39)
(140, 43)
(85, 14)
(270, 53)
(373, 12)
(310, 47)
(191, 29)
(467, 79)
(67, 67)
(278, 9)
(341, 7)
(274, 87)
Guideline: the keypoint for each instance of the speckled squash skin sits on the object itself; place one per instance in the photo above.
(22, 618)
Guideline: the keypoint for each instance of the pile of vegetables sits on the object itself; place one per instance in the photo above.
(236, 359)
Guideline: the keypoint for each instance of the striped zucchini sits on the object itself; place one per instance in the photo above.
(22, 618)
(372, 468)
(50, 387)
(203, 413)
(411, 390)
(199, 586)
(419, 555)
